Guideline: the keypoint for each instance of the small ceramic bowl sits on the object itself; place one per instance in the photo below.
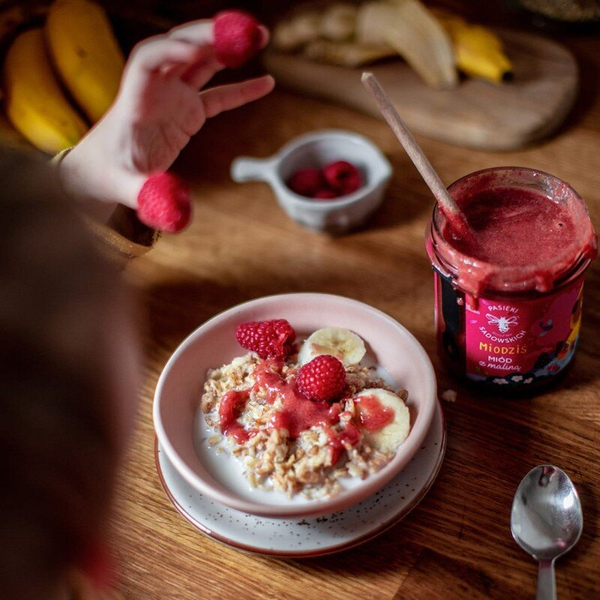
(179, 422)
(317, 150)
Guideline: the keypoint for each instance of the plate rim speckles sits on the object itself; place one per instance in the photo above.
(428, 460)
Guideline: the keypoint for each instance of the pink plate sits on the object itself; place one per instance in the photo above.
(177, 397)
(313, 536)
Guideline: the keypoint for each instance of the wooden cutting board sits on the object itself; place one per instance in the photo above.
(476, 114)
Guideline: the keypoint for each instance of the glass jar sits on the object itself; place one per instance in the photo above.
(504, 325)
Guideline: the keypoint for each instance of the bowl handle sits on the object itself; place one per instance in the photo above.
(246, 168)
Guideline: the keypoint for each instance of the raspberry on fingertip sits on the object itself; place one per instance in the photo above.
(238, 36)
(164, 203)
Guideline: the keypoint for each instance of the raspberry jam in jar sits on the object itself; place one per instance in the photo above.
(508, 297)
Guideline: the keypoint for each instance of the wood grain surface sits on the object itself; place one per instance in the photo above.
(456, 544)
(476, 114)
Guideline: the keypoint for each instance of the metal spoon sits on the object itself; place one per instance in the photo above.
(546, 521)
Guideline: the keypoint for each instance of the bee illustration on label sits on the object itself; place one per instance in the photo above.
(503, 323)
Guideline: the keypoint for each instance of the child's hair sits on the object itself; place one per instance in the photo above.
(57, 433)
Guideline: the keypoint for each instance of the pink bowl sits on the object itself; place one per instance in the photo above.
(177, 396)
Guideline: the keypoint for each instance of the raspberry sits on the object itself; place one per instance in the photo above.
(237, 37)
(269, 339)
(343, 177)
(325, 194)
(323, 378)
(164, 203)
(306, 182)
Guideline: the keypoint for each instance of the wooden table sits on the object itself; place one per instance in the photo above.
(456, 544)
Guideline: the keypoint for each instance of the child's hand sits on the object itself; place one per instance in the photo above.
(158, 108)
(160, 91)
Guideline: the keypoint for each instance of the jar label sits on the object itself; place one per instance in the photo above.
(518, 341)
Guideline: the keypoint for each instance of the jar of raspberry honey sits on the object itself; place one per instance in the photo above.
(508, 298)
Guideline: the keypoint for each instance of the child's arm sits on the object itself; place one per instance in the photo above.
(158, 108)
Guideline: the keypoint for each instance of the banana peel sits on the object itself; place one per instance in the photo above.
(479, 51)
(415, 34)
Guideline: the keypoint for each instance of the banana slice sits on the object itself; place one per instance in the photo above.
(336, 341)
(383, 418)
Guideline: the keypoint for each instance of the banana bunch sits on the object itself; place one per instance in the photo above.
(74, 49)
(350, 349)
(435, 44)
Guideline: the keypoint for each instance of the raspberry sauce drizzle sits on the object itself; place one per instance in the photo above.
(298, 412)
(372, 414)
(338, 440)
(232, 405)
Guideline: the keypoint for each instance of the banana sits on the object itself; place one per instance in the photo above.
(433, 42)
(479, 51)
(85, 53)
(34, 102)
(383, 417)
(415, 34)
(336, 341)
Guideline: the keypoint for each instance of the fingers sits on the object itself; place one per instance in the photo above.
(175, 57)
(197, 76)
(228, 97)
(201, 32)
(186, 51)
(198, 32)
(200, 73)
(159, 51)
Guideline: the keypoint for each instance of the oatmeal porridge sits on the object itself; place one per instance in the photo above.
(301, 417)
